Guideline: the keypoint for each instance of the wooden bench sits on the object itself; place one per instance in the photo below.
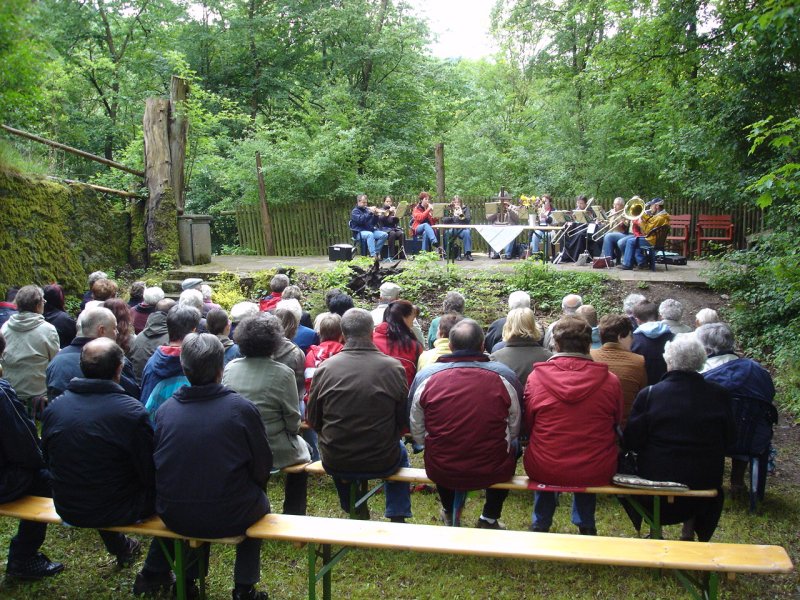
(717, 228)
(679, 232)
(322, 533)
(522, 483)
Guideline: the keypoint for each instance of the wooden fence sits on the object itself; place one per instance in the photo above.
(307, 228)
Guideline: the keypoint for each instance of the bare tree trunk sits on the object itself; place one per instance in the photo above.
(178, 129)
(439, 159)
(161, 229)
(266, 222)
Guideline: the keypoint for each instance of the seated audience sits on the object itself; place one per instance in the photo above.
(292, 292)
(394, 337)
(465, 411)
(240, 311)
(271, 387)
(441, 346)
(569, 306)
(357, 406)
(523, 344)
(340, 304)
(276, 286)
(219, 325)
(670, 312)
(589, 314)
(494, 334)
(55, 315)
(630, 301)
(102, 290)
(142, 311)
(152, 336)
(98, 443)
(649, 339)
(705, 316)
(572, 405)
(208, 305)
(453, 302)
(680, 428)
(93, 277)
(22, 473)
(617, 337)
(287, 352)
(212, 462)
(304, 336)
(194, 298)
(717, 340)
(389, 292)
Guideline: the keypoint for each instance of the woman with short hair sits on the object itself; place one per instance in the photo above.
(680, 428)
(523, 346)
(271, 386)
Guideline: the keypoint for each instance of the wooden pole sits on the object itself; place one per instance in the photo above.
(266, 223)
(66, 148)
(178, 130)
(160, 224)
(439, 159)
(98, 188)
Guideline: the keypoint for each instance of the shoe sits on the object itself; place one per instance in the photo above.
(468, 256)
(587, 530)
(248, 593)
(539, 529)
(128, 556)
(36, 567)
(458, 258)
(624, 267)
(152, 584)
(397, 519)
(482, 524)
(446, 517)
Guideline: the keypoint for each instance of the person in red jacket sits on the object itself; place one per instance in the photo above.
(421, 220)
(395, 336)
(572, 405)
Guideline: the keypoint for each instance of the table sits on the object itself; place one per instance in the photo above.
(499, 236)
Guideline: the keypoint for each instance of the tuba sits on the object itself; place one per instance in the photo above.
(633, 208)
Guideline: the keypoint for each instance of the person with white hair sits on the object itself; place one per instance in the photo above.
(569, 306)
(240, 311)
(208, 305)
(304, 337)
(628, 304)
(670, 312)
(681, 427)
(718, 342)
(517, 299)
(194, 298)
(142, 311)
(293, 291)
(705, 316)
(93, 278)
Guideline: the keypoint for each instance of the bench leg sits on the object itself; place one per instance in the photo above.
(359, 496)
(653, 520)
(328, 562)
(704, 588)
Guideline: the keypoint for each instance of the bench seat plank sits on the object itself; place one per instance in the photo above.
(626, 552)
(31, 508)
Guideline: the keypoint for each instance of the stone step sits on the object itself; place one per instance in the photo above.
(173, 286)
(185, 274)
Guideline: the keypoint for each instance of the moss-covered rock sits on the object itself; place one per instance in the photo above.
(53, 232)
(164, 241)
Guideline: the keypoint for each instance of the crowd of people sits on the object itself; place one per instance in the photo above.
(182, 409)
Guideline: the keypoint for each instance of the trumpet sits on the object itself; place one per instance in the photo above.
(382, 212)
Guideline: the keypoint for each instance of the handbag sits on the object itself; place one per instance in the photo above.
(602, 262)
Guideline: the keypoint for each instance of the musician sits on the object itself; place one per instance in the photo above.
(654, 217)
(389, 222)
(511, 213)
(543, 218)
(421, 221)
(575, 238)
(614, 240)
(460, 215)
(363, 224)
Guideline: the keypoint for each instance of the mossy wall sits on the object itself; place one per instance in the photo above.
(55, 232)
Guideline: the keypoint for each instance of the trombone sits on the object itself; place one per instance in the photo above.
(632, 210)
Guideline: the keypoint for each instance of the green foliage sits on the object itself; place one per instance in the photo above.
(228, 290)
(547, 286)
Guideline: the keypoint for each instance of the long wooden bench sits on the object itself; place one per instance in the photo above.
(686, 558)
(522, 483)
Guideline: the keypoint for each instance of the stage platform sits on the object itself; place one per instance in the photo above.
(690, 274)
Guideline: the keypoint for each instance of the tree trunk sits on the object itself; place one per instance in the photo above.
(266, 222)
(178, 129)
(438, 152)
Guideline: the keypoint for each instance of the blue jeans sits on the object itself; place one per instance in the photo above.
(375, 240)
(614, 244)
(544, 505)
(397, 494)
(463, 234)
(427, 234)
(539, 238)
(633, 246)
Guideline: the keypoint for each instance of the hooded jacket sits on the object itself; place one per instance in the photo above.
(649, 340)
(572, 405)
(314, 357)
(31, 343)
(465, 410)
(744, 377)
(162, 377)
(153, 335)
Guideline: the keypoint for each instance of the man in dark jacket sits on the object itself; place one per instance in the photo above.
(465, 410)
(357, 406)
(95, 323)
(649, 340)
(22, 473)
(213, 461)
(364, 226)
(163, 374)
(98, 442)
(153, 335)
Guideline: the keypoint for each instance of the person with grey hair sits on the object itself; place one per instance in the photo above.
(705, 316)
(569, 306)
(628, 304)
(304, 337)
(98, 442)
(681, 427)
(142, 311)
(670, 312)
(454, 302)
(271, 387)
(287, 352)
(240, 311)
(494, 335)
(208, 305)
(152, 336)
(717, 340)
(163, 374)
(194, 298)
(31, 343)
(462, 402)
(212, 460)
(93, 278)
(276, 287)
(357, 406)
(95, 323)
(293, 292)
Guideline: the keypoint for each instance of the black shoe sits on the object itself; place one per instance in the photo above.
(624, 267)
(128, 556)
(587, 530)
(539, 529)
(483, 524)
(248, 593)
(151, 584)
(468, 256)
(397, 519)
(36, 567)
